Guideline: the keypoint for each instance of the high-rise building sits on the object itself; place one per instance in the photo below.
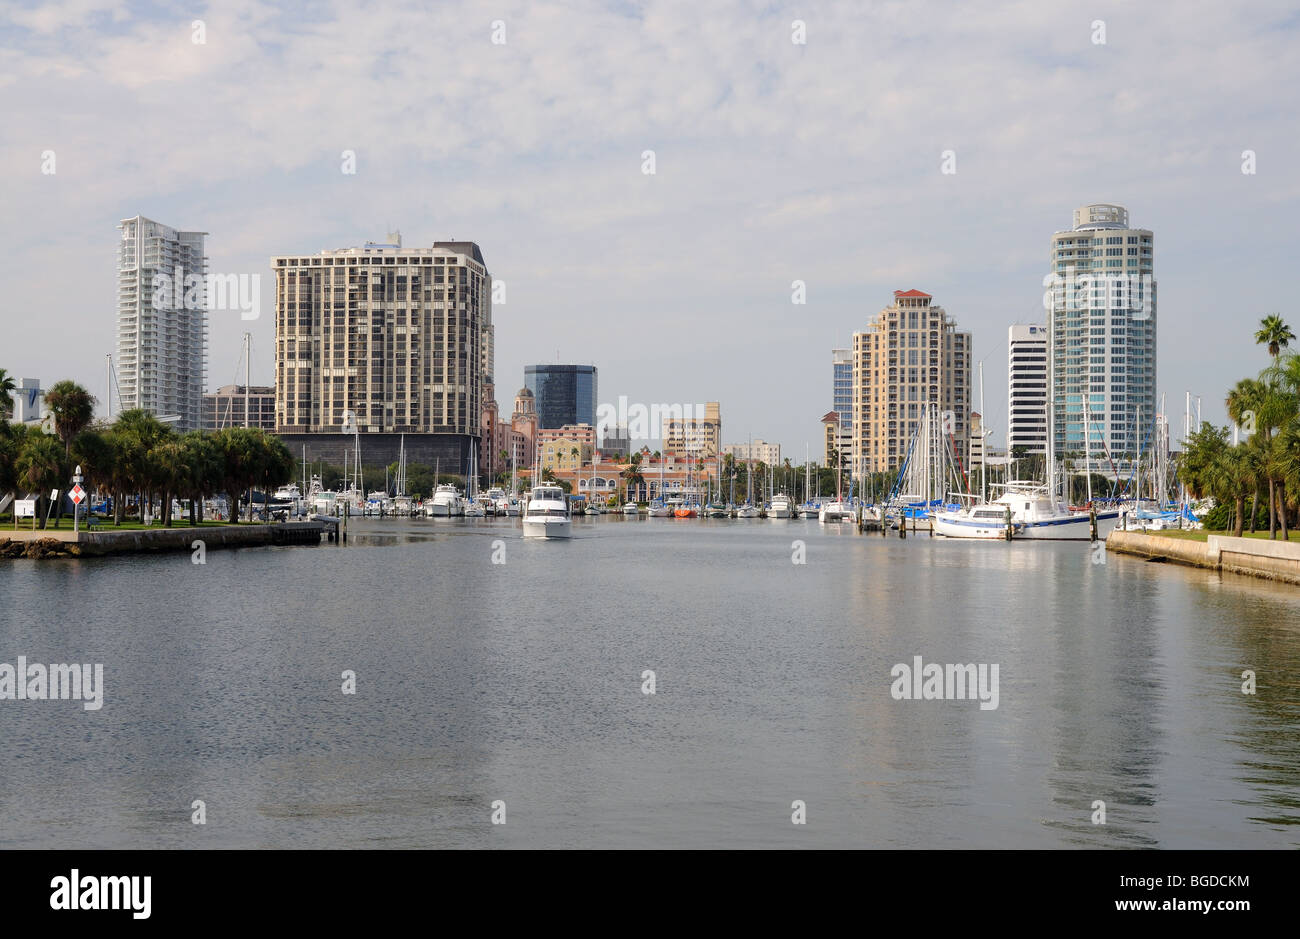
(1101, 300)
(842, 391)
(755, 451)
(698, 435)
(910, 356)
(564, 394)
(387, 341)
(239, 406)
(1027, 388)
(162, 321)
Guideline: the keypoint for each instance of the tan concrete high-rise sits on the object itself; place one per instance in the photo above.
(910, 355)
(395, 335)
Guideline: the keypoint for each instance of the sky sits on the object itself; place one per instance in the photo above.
(774, 161)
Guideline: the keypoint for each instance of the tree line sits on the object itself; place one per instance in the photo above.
(134, 456)
(1258, 459)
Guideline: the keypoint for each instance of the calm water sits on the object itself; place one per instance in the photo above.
(522, 682)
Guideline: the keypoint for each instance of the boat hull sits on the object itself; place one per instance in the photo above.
(549, 527)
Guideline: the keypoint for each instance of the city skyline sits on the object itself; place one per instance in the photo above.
(769, 162)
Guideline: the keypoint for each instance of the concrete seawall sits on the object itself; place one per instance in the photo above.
(1274, 560)
(64, 543)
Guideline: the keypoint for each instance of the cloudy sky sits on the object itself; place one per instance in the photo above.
(775, 161)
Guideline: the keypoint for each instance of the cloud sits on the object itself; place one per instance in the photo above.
(774, 162)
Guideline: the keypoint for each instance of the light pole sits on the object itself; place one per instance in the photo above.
(76, 506)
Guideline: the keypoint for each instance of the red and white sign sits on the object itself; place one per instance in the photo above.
(77, 494)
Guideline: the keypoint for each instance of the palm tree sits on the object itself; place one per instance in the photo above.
(7, 388)
(41, 467)
(1274, 333)
(72, 407)
(135, 433)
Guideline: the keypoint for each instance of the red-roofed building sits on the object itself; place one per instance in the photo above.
(911, 356)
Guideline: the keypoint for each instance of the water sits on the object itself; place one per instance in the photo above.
(521, 682)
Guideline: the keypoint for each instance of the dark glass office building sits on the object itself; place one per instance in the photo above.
(565, 394)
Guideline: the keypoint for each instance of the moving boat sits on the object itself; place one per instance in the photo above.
(547, 515)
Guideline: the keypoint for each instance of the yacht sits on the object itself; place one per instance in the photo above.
(781, 506)
(496, 499)
(748, 510)
(288, 499)
(977, 521)
(1038, 516)
(446, 502)
(810, 510)
(833, 511)
(514, 506)
(475, 509)
(659, 509)
(631, 509)
(716, 510)
(547, 515)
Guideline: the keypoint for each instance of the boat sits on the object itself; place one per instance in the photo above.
(780, 506)
(810, 510)
(833, 511)
(1038, 516)
(475, 509)
(591, 509)
(985, 521)
(658, 508)
(748, 510)
(547, 514)
(514, 507)
(446, 502)
(496, 499)
(717, 510)
(631, 509)
(288, 500)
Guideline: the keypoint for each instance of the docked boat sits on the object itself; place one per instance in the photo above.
(780, 507)
(834, 511)
(476, 510)
(716, 510)
(514, 507)
(632, 509)
(547, 514)
(496, 501)
(1038, 516)
(658, 508)
(810, 510)
(446, 502)
(987, 521)
(748, 510)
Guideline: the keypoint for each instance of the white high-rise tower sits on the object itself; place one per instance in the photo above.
(162, 323)
(1101, 302)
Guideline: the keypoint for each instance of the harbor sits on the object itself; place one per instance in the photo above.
(522, 681)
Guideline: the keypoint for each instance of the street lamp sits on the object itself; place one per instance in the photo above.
(76, 506)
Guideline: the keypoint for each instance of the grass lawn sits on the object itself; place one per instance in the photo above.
(1201, 535)
(25, 524)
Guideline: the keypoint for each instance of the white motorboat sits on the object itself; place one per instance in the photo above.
(631, 508)
(986, 521)
(547, 514)
(781, 506)
(514, 507)
(659, 509)
(496, 500)
(446, 502)
(834, 511)
(1038, 516)
(748, 510)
